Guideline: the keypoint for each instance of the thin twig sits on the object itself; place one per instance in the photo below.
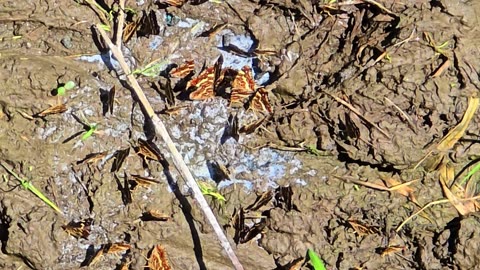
(121, 22)
(404, 114)
(177, 158)
(357, 112)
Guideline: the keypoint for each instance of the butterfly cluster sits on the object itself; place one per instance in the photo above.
(214, 79)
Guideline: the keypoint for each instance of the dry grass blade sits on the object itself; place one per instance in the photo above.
(406, 116)
(158, 259)
(445, 65)
(447, 175)
(55, 109)
(457, 132)
(431, 204)
(357, 112)
(402, 188)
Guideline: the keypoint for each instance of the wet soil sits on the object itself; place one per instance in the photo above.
(356, 96)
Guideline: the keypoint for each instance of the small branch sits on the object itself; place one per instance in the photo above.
(177, 158)
(120, 23)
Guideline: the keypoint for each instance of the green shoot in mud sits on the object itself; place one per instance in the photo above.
(469, 175)
(61, 90)
(439, 49)
(27, 184)
(208, 190)
(315, 260)
(90, 128)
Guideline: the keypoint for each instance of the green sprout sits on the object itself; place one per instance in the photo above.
(28, 185)
(208, 190)
(153, 69)
(90, 128)
(315, 260)
(67, 86)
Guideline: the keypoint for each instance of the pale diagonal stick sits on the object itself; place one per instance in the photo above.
(177, 158)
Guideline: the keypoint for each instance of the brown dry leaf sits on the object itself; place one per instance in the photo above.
(392, 249)
(96, 257)
(402, 188)
(154, 215)
(457, 132)
(158, 259)
(447, 175)
(116, 248)
(55, 109)
(362, 229)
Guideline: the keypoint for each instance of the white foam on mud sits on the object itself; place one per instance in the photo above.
(201, 142)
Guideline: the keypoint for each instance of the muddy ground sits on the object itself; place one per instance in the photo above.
(384, 59)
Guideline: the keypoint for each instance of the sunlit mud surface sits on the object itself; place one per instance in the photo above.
(360, 91)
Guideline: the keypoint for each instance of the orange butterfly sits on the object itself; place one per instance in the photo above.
(260, 102)
(184, 70)
(206, 82)
(243, 86)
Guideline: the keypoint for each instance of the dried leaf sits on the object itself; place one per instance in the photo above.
(392, 249)
(447, 175)
(402, 188)
(116, 248)
(129, 30)
(172, 3)
(55, 109)
(210, 33)
(154, 215)
(98, 255)
(362, 229)
(250, 233)
(138, 180)
(283, 199)
(111, 99)
(252, 127)
(456, 133)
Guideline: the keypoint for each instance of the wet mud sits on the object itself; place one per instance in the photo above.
(360, 91)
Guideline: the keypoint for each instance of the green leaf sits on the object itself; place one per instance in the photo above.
(28, 185)
(210, 191)
(90, 132)
(153, 69)
(61, 91)
(315, 260)
(69, 85)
